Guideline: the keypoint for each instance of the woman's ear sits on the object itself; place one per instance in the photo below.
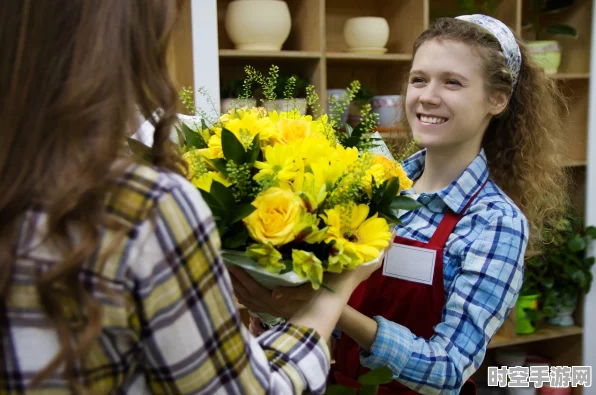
(498, 102)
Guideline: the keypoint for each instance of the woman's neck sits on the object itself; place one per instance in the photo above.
(442, 167)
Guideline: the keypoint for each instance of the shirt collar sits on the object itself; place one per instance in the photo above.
(457, 194)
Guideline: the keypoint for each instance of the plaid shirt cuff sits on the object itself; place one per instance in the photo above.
(392, 347)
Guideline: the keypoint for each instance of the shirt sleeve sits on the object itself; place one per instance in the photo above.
(192, 338)
(480, 298)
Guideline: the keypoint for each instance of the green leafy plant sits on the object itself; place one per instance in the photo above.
(542, 7)
(363, 96)
(370, 382)
(291, 86)
(234, 89)
(563, 270)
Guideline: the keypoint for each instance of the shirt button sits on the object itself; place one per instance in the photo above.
(425, 199)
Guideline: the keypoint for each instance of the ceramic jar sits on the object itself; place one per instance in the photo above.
(389, 108)
(258, 25)
(367, 32)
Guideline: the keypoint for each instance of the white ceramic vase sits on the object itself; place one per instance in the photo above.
(389, 108)
(366, 33)
(280, 105)
(258, 25)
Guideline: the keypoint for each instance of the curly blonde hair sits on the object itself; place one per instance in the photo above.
(524, 145)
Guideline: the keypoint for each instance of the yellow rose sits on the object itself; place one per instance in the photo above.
(293, 130)
(276, 214)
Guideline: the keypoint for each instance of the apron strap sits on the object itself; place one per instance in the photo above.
(449, 221)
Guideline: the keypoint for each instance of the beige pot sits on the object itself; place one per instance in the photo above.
(258, 25)
(547, 53)
(283, 105)
(366, 32)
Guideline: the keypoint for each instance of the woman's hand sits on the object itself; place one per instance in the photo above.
(281, 302)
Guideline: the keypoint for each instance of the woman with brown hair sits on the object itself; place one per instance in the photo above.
(111, 279)
(489, 179)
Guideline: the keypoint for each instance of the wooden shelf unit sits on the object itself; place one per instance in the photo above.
(316, 49)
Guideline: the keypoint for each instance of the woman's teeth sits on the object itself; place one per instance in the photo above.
(434, 120)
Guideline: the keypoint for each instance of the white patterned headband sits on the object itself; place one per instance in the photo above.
(505, 37)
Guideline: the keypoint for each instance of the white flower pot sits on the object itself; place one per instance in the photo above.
(367, 33)
(258, 25)
(280, 105)
(389, 109)
(547, 53)
(227, 104)
(564, 317)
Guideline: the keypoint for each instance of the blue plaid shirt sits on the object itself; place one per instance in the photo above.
(483, 273)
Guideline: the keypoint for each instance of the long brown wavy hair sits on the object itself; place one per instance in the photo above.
(525, 144)
(74, 76)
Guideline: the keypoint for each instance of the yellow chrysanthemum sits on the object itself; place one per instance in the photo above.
(308, 266)
(204, 181)
(280, 162)
(247, 124)
(349, 225)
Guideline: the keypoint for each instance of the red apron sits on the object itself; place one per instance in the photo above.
(418, 307)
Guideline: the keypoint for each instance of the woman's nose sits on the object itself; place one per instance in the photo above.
(430, 96)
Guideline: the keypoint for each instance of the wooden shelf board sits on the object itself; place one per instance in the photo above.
(575, 163)
(570, 76)
(543, 333)
(388, 57)
(233, 53)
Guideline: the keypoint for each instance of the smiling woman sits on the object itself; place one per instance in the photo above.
(489, 178)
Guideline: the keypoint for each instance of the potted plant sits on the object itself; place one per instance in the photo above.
(566, 270)
(547, 53)
(230, 94)
(362, 97)
(526, 308)
(290, 93)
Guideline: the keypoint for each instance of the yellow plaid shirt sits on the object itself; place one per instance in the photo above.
(173, 327)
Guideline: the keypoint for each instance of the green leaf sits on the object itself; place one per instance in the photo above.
(216, 206)
(382, 375)
(391, 216)
(193, 139)
(223, 195)
(369, 389)
(253, 151)
(140, 150)
(591, 232)
(232, 147)
(204, 124)
(562, 30)
(576, 244)
(220, 165)
(404, 203)
(238, 239)
(336, 389)
(242, 211)
(289, 266)
(390, 192)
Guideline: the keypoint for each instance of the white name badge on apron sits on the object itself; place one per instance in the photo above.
(410, 263)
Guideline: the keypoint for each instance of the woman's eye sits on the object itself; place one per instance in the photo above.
(453, 82)
(416, 80)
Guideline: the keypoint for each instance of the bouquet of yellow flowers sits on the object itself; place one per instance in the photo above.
(294, 195)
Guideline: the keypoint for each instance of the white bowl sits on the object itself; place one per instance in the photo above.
(366, 31)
